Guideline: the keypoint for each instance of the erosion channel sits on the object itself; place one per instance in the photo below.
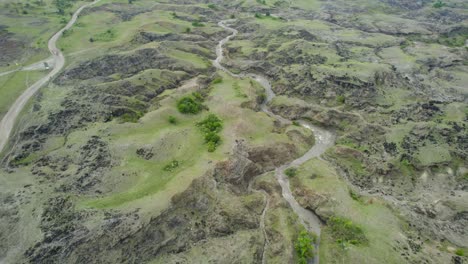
(323, 140)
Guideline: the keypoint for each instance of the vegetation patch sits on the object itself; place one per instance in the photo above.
(172, 120)
(211, 126)
(172, 165)
(304, 247)
(105, 36)
(291, 172)
(346, 232)
(190, 104)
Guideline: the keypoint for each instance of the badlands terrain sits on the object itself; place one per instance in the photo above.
(242, 131)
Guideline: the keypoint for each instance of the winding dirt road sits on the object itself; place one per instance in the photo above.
(323, 140)
(8, 121)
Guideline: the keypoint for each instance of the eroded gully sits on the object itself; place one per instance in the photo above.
(323, 140)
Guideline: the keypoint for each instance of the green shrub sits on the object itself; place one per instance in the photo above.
(345, 231)
(460, 252)
(290, 172)
(188, 105)
(296, 123)
(438, 4)
(131, 117)
(211, 146)
(171, 166)
(304, 248)
(188, 30)
(212, 137)
(212, 6)
(355, 196)
(217, 80)
(197, 24)
(340, 99)
(172, 120)
(211, 126)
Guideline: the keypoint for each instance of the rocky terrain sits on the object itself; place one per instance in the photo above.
(102, 166)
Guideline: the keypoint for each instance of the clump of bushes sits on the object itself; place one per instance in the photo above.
(291, 172)
(172, 120)
(346, 232)
(211, 126)
(131, 117)
(438, 4)
(171, 166)
(460, 252)
(340, 99)
(190, 104)
(197, 24)
(304, 248)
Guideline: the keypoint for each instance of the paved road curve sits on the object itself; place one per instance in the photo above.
(8, 121)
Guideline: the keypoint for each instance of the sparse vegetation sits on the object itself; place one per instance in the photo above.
(171, 166)
(197, 24)
(304, 247)
(438, 4)
(62, 5)
(346, 232)
(340, 99)
(261, 98)
(217, 80)
(460, 252)
(105, 36)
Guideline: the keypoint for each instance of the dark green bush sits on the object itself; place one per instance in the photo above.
(188, 105)
(290, 172)
(197, 24)
(340, 99)
(304, 248)
(172, 120)
(211, 126)
(438, 4)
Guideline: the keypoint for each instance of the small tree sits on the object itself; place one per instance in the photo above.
(304, 248)
(188, 105)
(290, 172)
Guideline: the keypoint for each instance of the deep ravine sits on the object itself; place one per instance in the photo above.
(323, 140)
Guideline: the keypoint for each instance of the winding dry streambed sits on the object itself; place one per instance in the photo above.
(323, 140)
